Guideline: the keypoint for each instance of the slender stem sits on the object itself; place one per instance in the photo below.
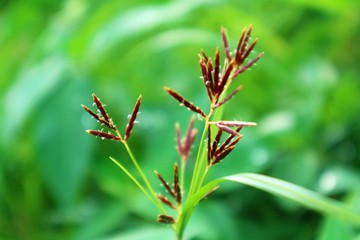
(199, 164)
(146, 181)
(133, 179)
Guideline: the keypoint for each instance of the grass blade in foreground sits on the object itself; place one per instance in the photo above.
(300, 195)
(280, 188)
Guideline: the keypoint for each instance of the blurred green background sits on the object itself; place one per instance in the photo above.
(56, 181)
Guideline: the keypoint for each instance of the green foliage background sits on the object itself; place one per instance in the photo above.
(56, 182)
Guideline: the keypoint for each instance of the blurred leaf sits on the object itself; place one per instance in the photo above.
(101, 222)
(28, 91)
(296, 194)
(63, 147)
(336, 180)
(334, 229)
(144, 233)
(137, 21)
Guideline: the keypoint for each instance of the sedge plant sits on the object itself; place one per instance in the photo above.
(218, 139)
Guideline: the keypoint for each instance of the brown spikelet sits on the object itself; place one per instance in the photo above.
(236, 123)
(97, 117)
(242, 46)
(104, 135)
(177, 189)
(227, 129)
(229, 141)
(162, 218)
(216, 142)
(222, 154)
(166, 201)
(217, 67)
(165, 184)
(203, 55)
(132, 118)
(227, 98)
(217, 151)
(101, 108)
(184, 145)
(226, 44)
(102, 117)
(224, 79)
(209, 71)
(208, 84)
(248, 50)
(248, 65)
(185, 102)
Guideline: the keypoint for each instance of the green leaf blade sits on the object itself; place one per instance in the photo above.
(300, 195)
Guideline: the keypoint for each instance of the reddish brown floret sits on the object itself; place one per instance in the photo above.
(165, 184)
(104, 135)
(165, 219)
(166, 201)
(100, 107)
(184, 146)
(132, 118)
(177, 189)
(185, 102)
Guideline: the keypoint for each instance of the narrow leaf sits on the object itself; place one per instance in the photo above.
(300, 195)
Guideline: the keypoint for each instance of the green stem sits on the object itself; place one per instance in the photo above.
(200, 164)
(133, 179)
(146, 181)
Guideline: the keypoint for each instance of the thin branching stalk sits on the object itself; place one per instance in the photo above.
(200, 163)
(144, 178)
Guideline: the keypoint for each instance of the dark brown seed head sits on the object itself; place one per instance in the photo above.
(165, 219)
(229, 141)
(177, 189)
(185, 102)
(224, 80)
(97, 117)
(216, 142)
(101, 108)
(207, 83)
(227, 129)
(231, 95)
(248, 65)
(132, 118)
(226, 44)
(166, 201)
(104, 135)
(221, 155)
(217, 67)
(242, 46)
(104, 118)
(165, 184)
(184, 145)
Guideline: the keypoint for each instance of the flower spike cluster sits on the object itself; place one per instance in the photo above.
(221, 136)
(174, 192)
(103, 118)
(184, 145)
(215, 81)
